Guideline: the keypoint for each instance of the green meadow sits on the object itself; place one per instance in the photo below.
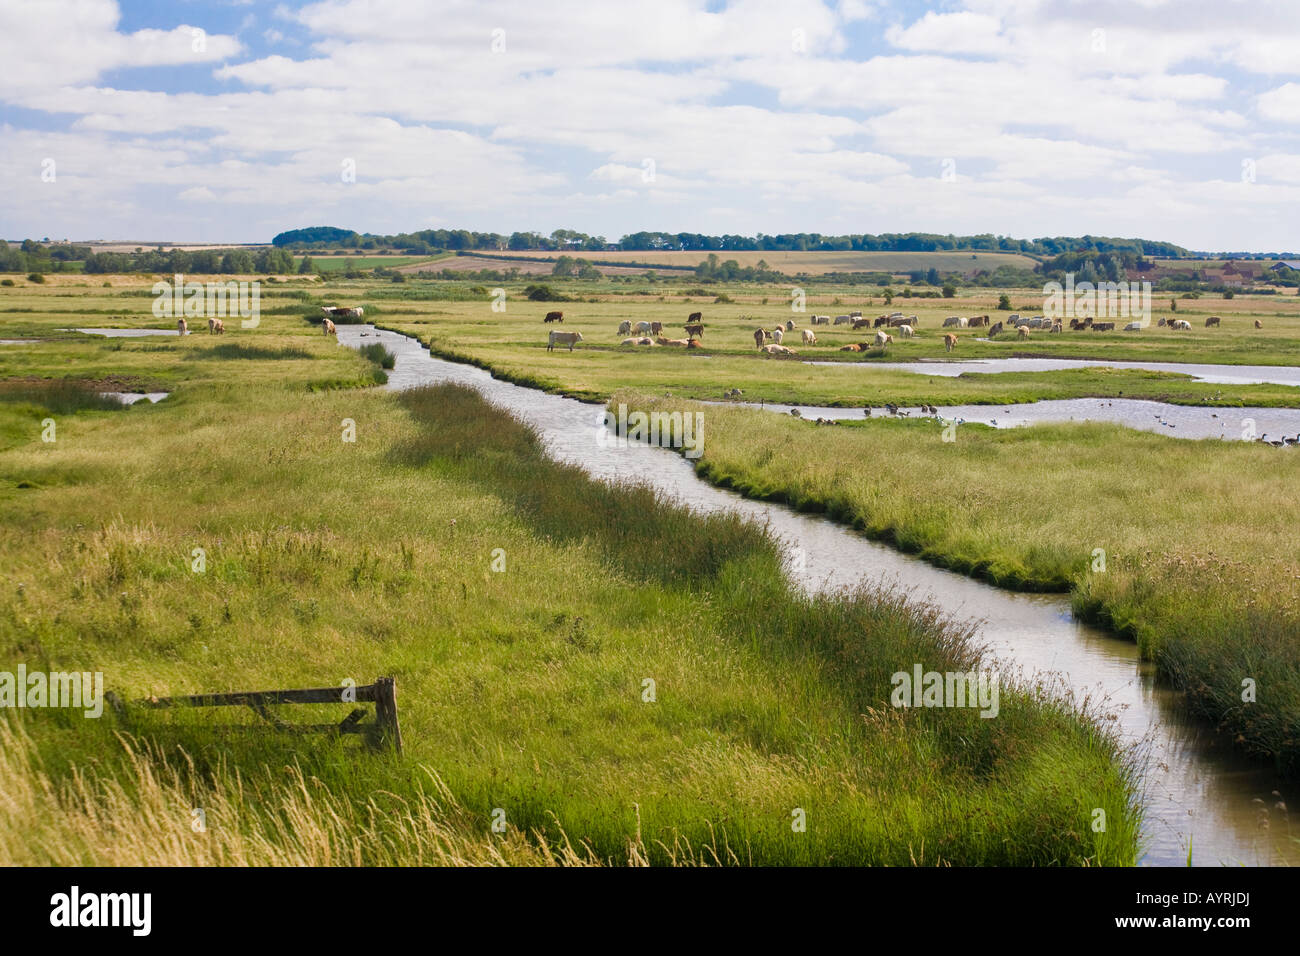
(609, 678)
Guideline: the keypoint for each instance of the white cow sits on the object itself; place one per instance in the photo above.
(809, 337)
(563, 338)
(883, 338)
(906, 331)
(643, 327)
(1181, 325)
(955, 322)
(181, 327)
(778, 334)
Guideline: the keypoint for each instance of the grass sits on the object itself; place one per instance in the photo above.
(1200, 566)
(58, 396)
(520, 689)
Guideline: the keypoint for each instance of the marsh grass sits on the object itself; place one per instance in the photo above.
(519, 690)
(1199, 565)
(59, 396)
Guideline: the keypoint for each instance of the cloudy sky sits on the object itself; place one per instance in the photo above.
(231, 121)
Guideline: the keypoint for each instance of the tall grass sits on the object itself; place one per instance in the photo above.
(59, 396)
(520, 690)
(1206, 587)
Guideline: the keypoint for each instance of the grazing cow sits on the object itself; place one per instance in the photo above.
(625, 327)
(900, 320)
(182, 328)
(759, 336)
(563, 338)
(809, 337)
(880, 320)
(1161, 323)
(1133, 327)
(860, 323)
(996, 329)
(843, 319)
(327, 327)
(656, 328)
(1180, 325)
(778, 334)
(906, 331)
(1056, 327)
(1024, 331)
(695, 331)
(789, 325)
(821, 320)
(1212, 321)
(778, 350)
(216, 327)
(1259, 324)
(955, 322)
(1106, 326)
(856, 314)
(883, 339)
(695, 317)
(1074, 323)
(1087, 323)
(949, 342)
(554, 317)
(643, 327)
(983, 321)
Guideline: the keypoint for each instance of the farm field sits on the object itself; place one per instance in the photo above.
(327, 559)
(811, 263)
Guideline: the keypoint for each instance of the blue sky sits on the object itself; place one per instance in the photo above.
(1168, 119)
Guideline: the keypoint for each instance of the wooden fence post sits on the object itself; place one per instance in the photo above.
(389, 730)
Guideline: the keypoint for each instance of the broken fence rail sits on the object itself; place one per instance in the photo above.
(385, 731)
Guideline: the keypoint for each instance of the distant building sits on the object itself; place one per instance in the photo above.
(1286, 264)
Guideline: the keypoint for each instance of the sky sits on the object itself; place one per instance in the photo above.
(1176, 120)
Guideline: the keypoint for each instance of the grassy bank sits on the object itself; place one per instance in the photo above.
(521, 690)
(1186, 546)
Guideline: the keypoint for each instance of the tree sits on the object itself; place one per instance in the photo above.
(949, 291)
(306, 268)
(1004, 303)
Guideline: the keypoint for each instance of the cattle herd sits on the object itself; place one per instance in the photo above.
(772, 341)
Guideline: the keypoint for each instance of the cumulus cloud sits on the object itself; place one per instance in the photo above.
(1056, 116)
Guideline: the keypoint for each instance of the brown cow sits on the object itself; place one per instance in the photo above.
(1024, 331)
(327, 327)
(759, 336)
(1259, 324)
(860, 324)
(696, 330)
(949, 342)
(554, 317)
(1212, 320)
(695, 317)
(997, 327)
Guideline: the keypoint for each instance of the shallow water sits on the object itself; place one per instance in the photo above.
(130, 398)
(1223, 374)
(1178, 421)
(1196, 788)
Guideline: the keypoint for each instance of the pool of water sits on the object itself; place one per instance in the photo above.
(1177, 421)
(1222, 374)
(1196, 790)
